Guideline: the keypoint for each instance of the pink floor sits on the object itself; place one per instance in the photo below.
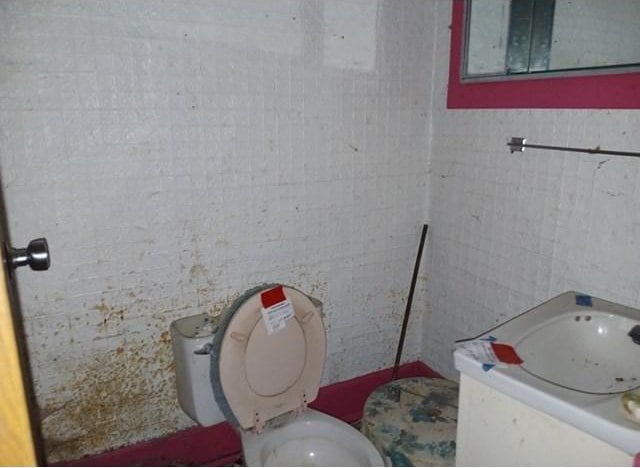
(220, 444)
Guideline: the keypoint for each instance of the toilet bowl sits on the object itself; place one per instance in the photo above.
(266, 362)
(311, 438)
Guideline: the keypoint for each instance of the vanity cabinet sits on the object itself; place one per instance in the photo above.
(497, 430)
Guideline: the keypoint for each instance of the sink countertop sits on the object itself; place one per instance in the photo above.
(600, 415)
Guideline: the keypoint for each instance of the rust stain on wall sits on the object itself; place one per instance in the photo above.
(165, 337)
(124, 386)
(398, 301)
(109, 314)
(110, 397)
(218, 308)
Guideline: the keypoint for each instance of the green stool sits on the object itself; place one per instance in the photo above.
(413, 421)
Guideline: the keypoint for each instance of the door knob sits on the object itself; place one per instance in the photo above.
(36, 255)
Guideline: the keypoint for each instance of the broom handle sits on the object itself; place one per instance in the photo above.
(407, 310)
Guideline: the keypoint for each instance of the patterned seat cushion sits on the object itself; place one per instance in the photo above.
(413, 421)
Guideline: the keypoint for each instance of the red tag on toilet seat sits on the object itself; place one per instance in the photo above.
(276, 309)
(272, 297)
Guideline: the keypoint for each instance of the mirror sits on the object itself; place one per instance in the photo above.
(512, 38)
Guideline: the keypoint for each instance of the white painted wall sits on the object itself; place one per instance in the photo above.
(510, 231)
(177, 153)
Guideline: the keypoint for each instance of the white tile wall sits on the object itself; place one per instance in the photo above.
(510, 231)
(176, 153)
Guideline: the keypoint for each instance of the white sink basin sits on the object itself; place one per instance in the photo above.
(578, 360)
(584, 351)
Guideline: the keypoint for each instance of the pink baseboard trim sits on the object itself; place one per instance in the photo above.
(220, 444)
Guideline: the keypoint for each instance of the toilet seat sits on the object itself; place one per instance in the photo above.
(262, 375)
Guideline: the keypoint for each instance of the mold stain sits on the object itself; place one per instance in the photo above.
(205, 292)
(316, 289)
(214, 310)
(127, 391)
(396, 300)
(197, 271)
(108, 314)
(110, 398)
(165, 337)
(310, 284)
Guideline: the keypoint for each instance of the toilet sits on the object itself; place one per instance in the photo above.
(266, 360)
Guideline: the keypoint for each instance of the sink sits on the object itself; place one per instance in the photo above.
(578, 361)
(588, 352)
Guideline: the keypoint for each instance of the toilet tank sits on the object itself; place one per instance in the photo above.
(190, 339)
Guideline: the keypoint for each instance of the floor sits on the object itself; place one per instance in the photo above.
(219, 445)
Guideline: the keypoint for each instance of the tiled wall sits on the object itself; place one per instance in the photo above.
(510, 231)
(176, 153)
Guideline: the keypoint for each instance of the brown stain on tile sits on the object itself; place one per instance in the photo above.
(110, 397)
(113, 395)
(165, 337)
(315, 288)
(125, 385)
(206, 292)
(398, 300)
(197, 271)
(108, 314)
(218, 308)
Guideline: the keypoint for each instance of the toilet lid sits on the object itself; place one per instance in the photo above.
(264, 374)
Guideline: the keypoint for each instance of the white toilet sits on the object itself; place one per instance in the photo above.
(262, 376)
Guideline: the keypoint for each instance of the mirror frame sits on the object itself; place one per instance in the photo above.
(599, 91)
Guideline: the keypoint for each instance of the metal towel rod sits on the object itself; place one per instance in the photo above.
(519, 144)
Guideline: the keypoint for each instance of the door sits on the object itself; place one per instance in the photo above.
(19, 433)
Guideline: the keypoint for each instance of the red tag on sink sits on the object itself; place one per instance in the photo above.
(505, 353)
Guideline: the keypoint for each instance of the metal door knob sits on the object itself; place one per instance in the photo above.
(36, 255)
